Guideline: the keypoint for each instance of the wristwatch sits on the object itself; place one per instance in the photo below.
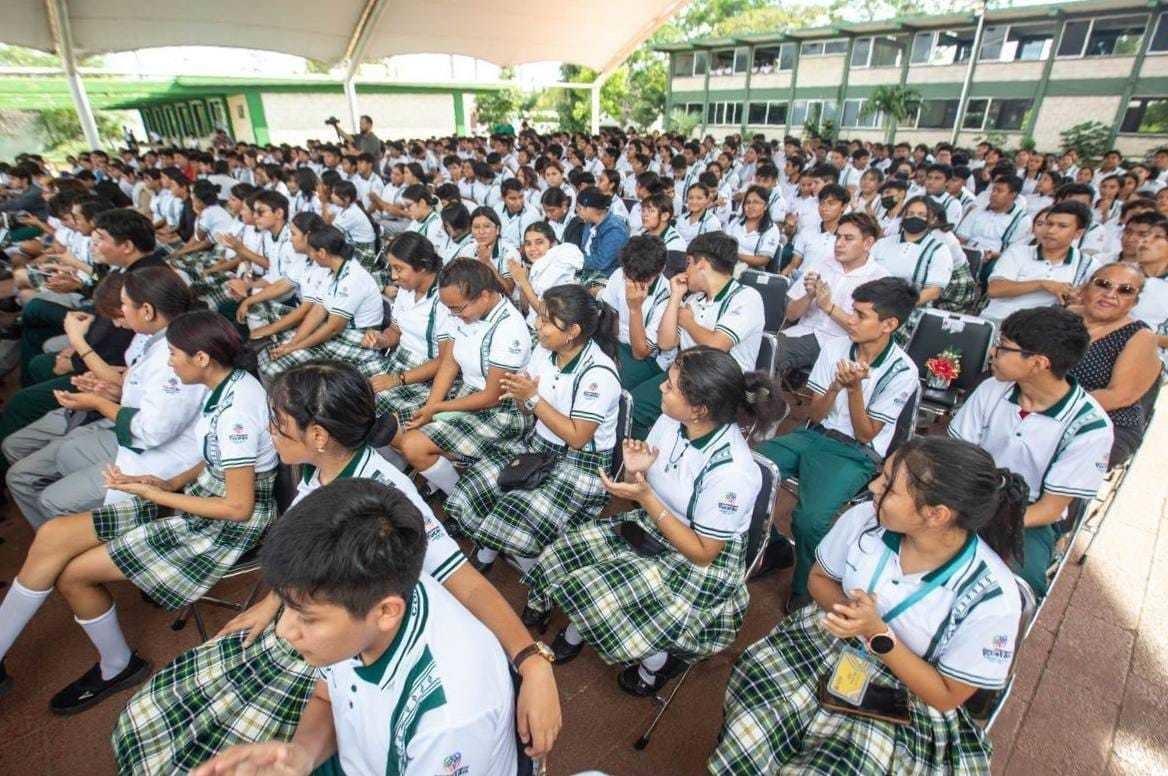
(531, 402)
(882, 643)
(534, 648)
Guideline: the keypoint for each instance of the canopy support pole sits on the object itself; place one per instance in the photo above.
(63, 42)
(351, 99)
(594, 89)
(355, 53)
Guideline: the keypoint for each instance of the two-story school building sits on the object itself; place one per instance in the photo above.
(1039, 70)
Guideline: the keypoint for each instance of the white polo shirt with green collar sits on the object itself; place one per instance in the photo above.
(1025, 262)
(439, 700)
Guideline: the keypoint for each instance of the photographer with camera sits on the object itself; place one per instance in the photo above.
(364, 141)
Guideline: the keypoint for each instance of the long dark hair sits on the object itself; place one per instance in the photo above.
(711, 378)
(987, 500)
(333, 395)
(161, 288)
(209, 332)
(416, 250)
(765, 222)
(572, 304)
(330, 240)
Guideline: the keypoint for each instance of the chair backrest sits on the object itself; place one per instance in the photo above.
(974, 256)
(906, 422)
(938, 330)
(764, 506)
(287, 478)
(386, 312)
(768, 353)
(674, 263)
(774, 295)
(624, 428)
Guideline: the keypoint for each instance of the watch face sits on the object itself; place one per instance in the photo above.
(881, 644)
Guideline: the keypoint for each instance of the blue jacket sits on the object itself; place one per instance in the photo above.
(610, 236)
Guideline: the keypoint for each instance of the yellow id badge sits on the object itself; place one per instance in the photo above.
(849, 680)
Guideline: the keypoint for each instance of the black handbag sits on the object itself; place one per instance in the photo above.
(526, 471)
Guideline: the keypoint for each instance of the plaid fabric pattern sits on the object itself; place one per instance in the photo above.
(629, 606)
(404, 400)
(195, 264)
(524, 522)
(213, 292)
(469, 435)
(177, 559)
(366, 256)
(592, 279)
(775, 724)
(214, 696)
(344, 346)
(264, 313)
(961, 295)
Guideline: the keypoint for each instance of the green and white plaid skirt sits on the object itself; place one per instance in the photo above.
(774, 722)
(344, 346)
(962, 293)
(524, 522)
(265, 313)
(195, 264)
(628, 606)
(403, 400)
(468, 436)
(177, 559)
(212, 697)
(368, 258)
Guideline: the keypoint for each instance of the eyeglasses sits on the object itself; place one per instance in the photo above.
(1008, 349)
(1121, 289)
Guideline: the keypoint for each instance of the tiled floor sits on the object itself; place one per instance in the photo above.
(1090, 697)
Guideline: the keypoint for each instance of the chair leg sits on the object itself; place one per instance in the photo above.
(643, 741)
(180, 622)
(199, 624)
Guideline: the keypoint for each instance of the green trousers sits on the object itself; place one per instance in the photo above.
(1037, 553)
(830, 472)
(647, 405)
(30, 404)
(633, 370)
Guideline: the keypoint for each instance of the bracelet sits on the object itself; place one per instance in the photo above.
(832, 311)
(661, 516)
(87, 353)
(401, 379)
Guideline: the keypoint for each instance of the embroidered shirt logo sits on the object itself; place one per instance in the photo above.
(728, 504)
(238, 433)
(998, 653)
(592, 391)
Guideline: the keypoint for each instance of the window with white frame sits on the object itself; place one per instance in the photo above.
(823, 48)
(1106, 36)
(728, 61)
(942, 47)
(683, 64)
(876, 51)
(1159, 42)
(997, 114)
(768, 113)
(1028, 42)
(773, 59)
(813, 111)
(1146, 115)
(724, 113)
(694, 108)
(937, 114)
(853, 115)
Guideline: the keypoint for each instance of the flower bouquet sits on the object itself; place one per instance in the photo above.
(943, 369)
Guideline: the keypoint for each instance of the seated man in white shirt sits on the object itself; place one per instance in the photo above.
(396, 693)
(1044, 274)
(816, 241)
(1037, 423)
(1002, 222)
(821, 301)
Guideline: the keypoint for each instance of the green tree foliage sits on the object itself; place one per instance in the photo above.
(60, 129)
(1090, 139)
(502, 106)
(896, 102)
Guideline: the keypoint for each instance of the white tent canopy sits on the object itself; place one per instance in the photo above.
(598, 35)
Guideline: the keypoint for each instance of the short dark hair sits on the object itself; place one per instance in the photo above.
(834, 191)
(890, 297)
(866, 223)
(643, 257)
(351, 543)
(274, 200)
(125, 224)
(719, 248)
(470, 276)
(1012, 181)
(944, 169)
(1072, 207)
(1054, 332)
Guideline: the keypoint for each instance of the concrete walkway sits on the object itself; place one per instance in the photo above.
(1091, 695)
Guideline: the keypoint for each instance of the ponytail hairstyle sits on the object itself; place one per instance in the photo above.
(711, 378)
(208, 332)
(471, 277)
(334, 396)
(418, 172)
(348, 192)
(572, 304)
(306, 181)
(417, 251)
(161, 288)
(456, 219)
(330, 240)
(308, 222)
(416, 192)
(985, 500)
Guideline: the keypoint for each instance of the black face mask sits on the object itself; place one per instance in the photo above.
(914, 225)
(900, 175)
(888, 202)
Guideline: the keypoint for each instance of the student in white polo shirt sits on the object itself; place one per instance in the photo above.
(1036, 422)
(936, 179)
(396, 694)
(860, 383)
(1152, 307)
(424, 219)
(1043, 274)
(639, 293)
(707, 306)
(822, 302)
(915, 254)
(817, 242)
(1001, 223)
(758, 237)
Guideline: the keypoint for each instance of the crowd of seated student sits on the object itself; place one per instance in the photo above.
(524, 293)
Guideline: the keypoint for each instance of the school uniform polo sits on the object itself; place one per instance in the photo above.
(776, 205)
(673, 241)
(965, 625)
(155, 426)
(806, 210)
(842, 283)
(431, 703)
(1152, 309)
(736, 311)
(173, 210)
(924, 263)
(443, 557)
(502, 253)
(234, 426)
(213, 221)
(850, 176)
(365, 186)
(619, 209)
(688, 229)
(283, 260)
(814, 245)
(499, 339)
(635, 220)
(1025, 262)
(355, 224)
(586, 388)
(990, 230)
(160, 204)
(420, 318)
(709, 483)
(353, 294)
(951, 205)
(454, 248)
(430, 227)
(1062, 450)
(561, 265)
(514, 224)
(756, 243)
(1098, 242)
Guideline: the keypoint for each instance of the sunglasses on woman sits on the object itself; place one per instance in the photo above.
(1121, 289)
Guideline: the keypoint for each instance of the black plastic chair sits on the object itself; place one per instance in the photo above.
(768, 352)
(974, 256)
(937, 331)
(773, 289)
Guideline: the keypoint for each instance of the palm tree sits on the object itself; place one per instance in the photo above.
(894, 103)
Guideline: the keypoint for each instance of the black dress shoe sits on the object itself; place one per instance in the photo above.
(9, 305)
(91, 689)
(534, 619)
(795, 602)
(564, 651)
(483, 567)
(631, 682)
(779, 554)
(5, 679)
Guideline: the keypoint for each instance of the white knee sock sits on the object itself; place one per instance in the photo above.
(525, 564)
(572, 635)
(106, 635)
(651, 665)
(486, 555)
(17, 609)
(442, 475)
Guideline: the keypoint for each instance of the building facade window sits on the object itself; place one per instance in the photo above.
(724, 113)
(876, 51)
(729, 61)
(943, 47)
(1146, 115)
(1159, 42)
(773, 59)
(1107, 36)
(853, 116)
(813, 111)
(824, 48)
(772, 114)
